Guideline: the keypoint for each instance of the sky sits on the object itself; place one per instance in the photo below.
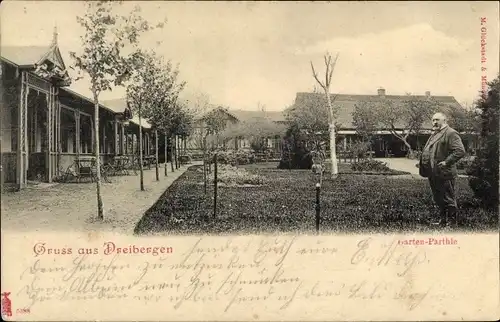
(246, 55)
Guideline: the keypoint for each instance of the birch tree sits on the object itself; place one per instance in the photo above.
(106, 39)
(329, 68)
(146, 90)
(162, 108)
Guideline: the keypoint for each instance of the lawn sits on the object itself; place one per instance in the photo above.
(285, 203)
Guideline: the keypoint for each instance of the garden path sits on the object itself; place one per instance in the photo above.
(405, 164)
(68, 207)
(402, 164)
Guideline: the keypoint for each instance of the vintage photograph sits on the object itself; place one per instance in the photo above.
(222, 119)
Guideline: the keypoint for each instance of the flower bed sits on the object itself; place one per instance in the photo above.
(231, 175)
(344, 168)
(285, 203)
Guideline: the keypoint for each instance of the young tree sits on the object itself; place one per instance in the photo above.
(330, 67)
(312, 121)
(152, 84)
(140, 95)
(162, 108)
(257, 130)
(364, 118)
(406, 118)
(181, 125)
(106, 39)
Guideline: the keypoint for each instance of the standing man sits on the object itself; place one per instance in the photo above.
(438, 163)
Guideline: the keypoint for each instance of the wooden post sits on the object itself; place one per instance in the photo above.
(156, 156)
(22, 145)
(166, 154)
(141, 146)
(116, 147)
(318, 188)
(48, 137)
(205, 164)
(172, 155)
(215, 185)
(176, 152)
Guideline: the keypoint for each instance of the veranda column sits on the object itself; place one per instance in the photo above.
(48, 151)
(58, 133)
(77, 125)
(22, 152)
(122, 139)
(116, 137)
(104, 147)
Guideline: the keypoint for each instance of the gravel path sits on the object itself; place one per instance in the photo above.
(73, 207)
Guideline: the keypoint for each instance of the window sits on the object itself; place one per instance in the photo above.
(68, 131)
(86, 134)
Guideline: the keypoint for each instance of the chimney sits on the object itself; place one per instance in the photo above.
(381, 92)
(428, 93)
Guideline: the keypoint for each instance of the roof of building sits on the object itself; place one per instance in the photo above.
(347, 102)
(119, 105)
(24, 55)
(31, 55)
(243, 115)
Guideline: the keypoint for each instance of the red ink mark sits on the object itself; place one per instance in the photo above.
(6, 304)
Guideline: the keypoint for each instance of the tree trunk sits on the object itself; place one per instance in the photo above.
(156, 156)
(204, 146)
(333, 153)
(166, 154)
(141, 170)
(172, 155)
(410, 150)
(100, 206)
(176, 144)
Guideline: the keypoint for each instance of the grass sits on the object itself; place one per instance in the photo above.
(344, 168)
(285, 203)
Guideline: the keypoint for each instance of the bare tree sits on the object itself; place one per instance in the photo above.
(330, 67)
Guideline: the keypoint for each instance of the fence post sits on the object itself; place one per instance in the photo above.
(318, 188)
(215, 185)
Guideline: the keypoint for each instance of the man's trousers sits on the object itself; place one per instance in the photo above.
(443, 192)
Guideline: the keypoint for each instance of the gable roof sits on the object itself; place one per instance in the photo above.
(25, 56)
(347, 102)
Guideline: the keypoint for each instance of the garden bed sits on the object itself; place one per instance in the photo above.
(344, 168)
(285, 203)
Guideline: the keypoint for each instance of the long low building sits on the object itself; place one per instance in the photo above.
(384, 142)
(46, 126)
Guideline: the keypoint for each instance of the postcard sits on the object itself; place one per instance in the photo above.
(249, 161)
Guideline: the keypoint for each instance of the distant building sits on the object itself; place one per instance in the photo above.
(193, 143)
(385, 142)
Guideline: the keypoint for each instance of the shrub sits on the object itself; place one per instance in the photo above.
(294, 154)
(370, 165)
(465, 163)
(238, 157)
(232, 175)
(484, 170)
